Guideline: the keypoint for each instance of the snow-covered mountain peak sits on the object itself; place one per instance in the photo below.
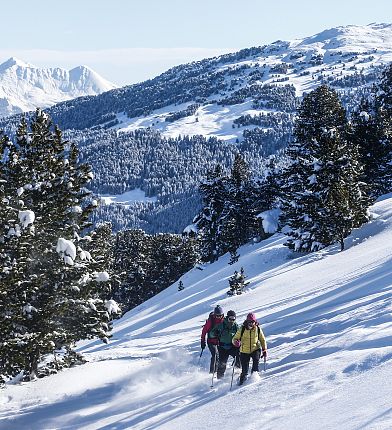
(353, 37)
(13, 61)
(86, 78)
(23, 87)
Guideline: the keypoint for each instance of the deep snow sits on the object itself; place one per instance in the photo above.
(327, 319)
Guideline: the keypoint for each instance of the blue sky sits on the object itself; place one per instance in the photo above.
(127, 41)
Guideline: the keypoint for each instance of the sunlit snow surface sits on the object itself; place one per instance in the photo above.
(127, 198)
(24, 87)
(327, 318)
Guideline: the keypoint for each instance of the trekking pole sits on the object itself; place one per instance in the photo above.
(198, 363)
(232, 375)
(265, 363)
(213, 374)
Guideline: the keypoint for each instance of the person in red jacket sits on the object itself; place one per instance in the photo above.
(214, 319)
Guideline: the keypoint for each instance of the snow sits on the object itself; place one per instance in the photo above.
(101, 276)
(14, 231)
(127, 198)
(327, 317)
(364, 115)
(112, 307)
(76, 209)
(270, 220)
(84, 255)
(26, 217)
(190, 229)
(28, 309)
(23, 86)
(20, 191)
(67, 250)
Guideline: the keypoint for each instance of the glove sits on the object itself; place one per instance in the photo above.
(264, 353)
(203, 344)
(237, 343)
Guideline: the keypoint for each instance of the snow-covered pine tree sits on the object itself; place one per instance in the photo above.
(366, 135)
(10, 271)
(208, 221)
(55, 283)
(132, 260)
(147, 264)
(96, 248)
(172, 256)
(266, 193)
(383, 102)
(237, 283)
(268, 186)
(239, 222)
(324, 198)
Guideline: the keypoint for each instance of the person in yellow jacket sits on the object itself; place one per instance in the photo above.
(251, 340)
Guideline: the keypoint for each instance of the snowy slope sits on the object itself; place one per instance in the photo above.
(335, 53)
(328, 321)
(24, 87)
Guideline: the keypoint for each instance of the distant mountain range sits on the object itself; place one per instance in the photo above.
(24, 87)
(162, 135)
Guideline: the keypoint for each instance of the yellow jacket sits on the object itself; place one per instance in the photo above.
(251, 340)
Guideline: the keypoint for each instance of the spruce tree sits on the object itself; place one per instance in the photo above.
(208, 222)
(239, 222)
(147, 264)
(237, 283)
(132, 261)
(383, 108)
(324, 198)
(54, 289)
(369, 134)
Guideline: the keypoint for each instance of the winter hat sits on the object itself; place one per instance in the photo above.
(218, 310)
(251, 317)
(231, 314)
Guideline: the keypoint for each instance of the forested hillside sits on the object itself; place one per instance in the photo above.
(163, 135)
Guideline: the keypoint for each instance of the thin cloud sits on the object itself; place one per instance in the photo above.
(121, 66)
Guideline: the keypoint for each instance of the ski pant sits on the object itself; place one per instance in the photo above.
(224, 356)
(214, 357)
(245, 358)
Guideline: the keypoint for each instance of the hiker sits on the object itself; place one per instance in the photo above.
(214, 319)
(225, 332)
(251, 340)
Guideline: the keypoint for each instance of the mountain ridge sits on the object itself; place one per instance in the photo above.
(164, 134)
(23, 86)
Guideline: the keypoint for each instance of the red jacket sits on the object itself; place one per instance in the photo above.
(210, 323)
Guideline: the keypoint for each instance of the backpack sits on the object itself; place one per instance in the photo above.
(210, 318)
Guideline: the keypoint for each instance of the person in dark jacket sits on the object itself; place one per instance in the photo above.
(225, 332)
(213, 320)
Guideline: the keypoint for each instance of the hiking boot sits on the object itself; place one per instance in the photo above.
(242, 379)
(219, 376)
